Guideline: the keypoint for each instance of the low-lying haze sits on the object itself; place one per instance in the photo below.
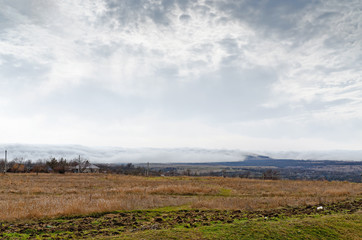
(159, 155)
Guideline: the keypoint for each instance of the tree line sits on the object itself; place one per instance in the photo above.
(61, 165)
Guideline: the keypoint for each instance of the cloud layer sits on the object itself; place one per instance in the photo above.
(246, 74)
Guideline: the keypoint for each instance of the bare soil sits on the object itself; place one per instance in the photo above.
(115, 223)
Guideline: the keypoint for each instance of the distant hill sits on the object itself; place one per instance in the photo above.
(265, 161)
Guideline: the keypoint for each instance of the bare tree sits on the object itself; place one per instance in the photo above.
(271, 174)
(39, 166)
(28, 165)
(245, 174)
(17, 165)
(2, 165)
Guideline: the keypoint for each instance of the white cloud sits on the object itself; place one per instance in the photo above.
(238, 72)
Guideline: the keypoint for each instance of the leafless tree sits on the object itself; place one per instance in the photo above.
(39, 166)
(2, 165)
(271, 174)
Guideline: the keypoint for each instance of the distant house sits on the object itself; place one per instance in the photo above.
(89, 168)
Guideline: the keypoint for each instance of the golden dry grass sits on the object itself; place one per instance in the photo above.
(45, 195)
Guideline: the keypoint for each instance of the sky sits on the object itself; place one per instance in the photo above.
(236, 74)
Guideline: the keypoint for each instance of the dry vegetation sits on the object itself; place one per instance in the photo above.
(31, 196)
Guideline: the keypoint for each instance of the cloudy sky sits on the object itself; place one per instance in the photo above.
(240, 74)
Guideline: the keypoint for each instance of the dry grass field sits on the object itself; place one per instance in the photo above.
(24, 196)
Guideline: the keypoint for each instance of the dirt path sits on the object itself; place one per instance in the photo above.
(108, 224)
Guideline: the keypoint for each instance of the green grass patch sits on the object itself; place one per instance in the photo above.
(339, 226)
(165, 209)
(225, 192)
(164, 234)
(19, 236)
(325, 227)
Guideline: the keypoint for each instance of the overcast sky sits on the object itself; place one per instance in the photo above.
(241, 74)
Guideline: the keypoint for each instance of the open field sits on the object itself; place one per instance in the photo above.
(25, 196)
(101, 206)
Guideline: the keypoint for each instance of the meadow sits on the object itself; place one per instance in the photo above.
(32, 196)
